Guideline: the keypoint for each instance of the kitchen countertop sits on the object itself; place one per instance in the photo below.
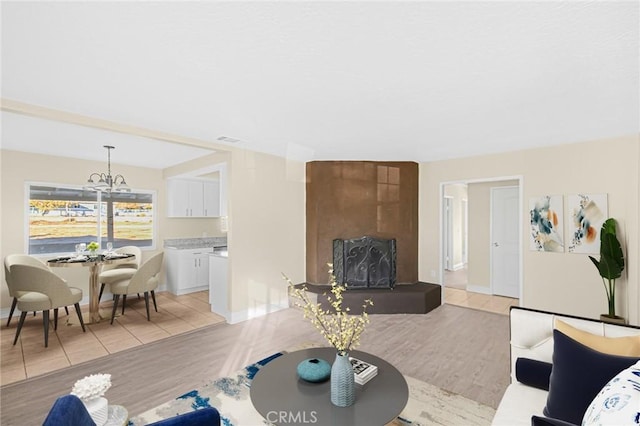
(220, 253)
(195, 243)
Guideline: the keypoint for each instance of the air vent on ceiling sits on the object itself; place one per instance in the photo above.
(228, 139)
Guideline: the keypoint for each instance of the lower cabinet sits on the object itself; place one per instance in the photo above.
(187, 270)
(218, 285)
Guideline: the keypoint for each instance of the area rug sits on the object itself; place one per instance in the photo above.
(427, 405)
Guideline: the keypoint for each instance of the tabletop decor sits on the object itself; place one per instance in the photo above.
(91, 391)
(92, 247)
(340, 329)
(314, 370)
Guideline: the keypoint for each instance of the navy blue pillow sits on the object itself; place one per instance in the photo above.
(548, 421)
(532, 372)
(577, 375)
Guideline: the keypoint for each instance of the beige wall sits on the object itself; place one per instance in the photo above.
(479, 272)
(266, 230)
(19, 168)
(266, 222)
(265, 209)
(561, 282)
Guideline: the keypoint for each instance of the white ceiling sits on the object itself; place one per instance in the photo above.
(323, 80)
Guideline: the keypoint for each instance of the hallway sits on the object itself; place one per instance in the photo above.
(455, 293)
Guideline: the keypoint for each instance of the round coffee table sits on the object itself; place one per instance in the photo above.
(282, 398)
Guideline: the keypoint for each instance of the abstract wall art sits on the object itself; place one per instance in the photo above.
(585, 215)
(546, 223)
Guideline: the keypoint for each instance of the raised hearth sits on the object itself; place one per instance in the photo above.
(416, 298)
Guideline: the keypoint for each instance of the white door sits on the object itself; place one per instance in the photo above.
(505, 241)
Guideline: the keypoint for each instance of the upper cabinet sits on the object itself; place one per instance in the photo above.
(194, 198)
(199, 193)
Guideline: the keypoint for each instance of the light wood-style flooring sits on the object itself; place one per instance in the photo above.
(455, 284)
(482, 302)
(176, 314)
(461, 350)
(70, 346)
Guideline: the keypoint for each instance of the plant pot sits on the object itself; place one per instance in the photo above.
(613, 319)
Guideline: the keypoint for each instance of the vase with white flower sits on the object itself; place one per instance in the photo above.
(91, 390)
(341, 329)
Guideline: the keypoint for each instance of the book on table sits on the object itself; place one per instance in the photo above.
(362, 371)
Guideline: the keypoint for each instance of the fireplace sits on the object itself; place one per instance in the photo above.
(365, 262)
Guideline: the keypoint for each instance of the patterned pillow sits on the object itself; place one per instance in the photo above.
(618, 403)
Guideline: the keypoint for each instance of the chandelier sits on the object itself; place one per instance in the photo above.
(106, 182)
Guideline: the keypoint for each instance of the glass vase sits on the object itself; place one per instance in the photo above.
(343, 388)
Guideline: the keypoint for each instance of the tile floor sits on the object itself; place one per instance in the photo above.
(69, 345)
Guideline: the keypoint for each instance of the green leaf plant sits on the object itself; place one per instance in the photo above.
(611, 263)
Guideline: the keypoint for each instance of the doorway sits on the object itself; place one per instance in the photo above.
(454, 239)
(471, 270)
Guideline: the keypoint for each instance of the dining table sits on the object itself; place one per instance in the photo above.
(94, 262)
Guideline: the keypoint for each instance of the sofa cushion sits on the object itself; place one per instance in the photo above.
(625, 346)
(574, 381)
(532, 372)
(618, 403)
(517, 405)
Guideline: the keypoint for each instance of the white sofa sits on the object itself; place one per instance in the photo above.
(532, 337)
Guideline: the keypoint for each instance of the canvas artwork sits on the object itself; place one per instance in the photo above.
(585, 215)
(546, 223)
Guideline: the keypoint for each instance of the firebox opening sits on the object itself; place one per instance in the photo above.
(365, 262)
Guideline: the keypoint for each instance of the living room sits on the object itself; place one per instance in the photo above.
(266, 222)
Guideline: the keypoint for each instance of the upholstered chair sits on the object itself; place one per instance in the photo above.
(115, 272)
(68, 410)
(22, 259)
(145, 280)
(43, 290)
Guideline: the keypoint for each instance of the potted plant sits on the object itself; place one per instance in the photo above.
(610, 267)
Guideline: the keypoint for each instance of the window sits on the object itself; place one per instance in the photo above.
(62, 216)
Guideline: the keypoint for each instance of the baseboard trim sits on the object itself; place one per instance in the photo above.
(478, 289)
(256, 311)
(458, 266)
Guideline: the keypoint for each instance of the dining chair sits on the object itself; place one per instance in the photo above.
(115, 272)
(145, 280)
(22, 259)
(43, 291)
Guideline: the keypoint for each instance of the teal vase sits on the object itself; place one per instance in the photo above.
(343, 387)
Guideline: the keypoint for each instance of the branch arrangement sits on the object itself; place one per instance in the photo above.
(341, 329)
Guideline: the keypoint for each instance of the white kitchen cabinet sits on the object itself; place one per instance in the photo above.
(187, 270)
(218, 285)
(211, 199)
(193, 198)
